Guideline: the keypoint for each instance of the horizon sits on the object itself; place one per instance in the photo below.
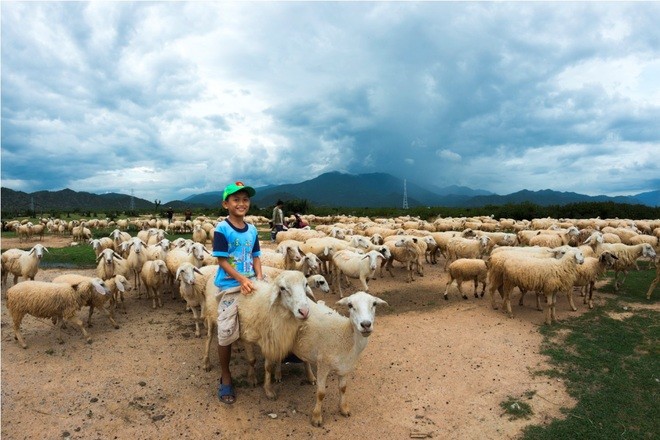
(115, 97)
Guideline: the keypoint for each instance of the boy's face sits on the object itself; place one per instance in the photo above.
(237, 204)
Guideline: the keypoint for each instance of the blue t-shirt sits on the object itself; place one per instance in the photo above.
(239, 247)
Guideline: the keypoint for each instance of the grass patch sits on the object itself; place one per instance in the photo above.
(515, 408)
(611, 366)
(72, 256)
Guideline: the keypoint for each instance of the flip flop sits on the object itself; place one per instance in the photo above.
(226, 393)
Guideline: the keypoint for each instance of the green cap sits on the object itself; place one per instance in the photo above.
(236, 187)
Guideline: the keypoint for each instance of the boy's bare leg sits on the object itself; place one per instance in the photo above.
(224, 353)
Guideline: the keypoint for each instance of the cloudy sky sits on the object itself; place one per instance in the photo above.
(171, 99)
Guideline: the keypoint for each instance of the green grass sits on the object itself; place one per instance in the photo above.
(516, 408)
(73, 256)
(610, 366)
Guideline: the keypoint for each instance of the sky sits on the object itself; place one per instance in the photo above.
(164, 100)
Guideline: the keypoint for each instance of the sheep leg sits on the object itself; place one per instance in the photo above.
(538, 301)
(451, 280)
(322, 372)
(268, 379)
(17, 318)
(209, 338)
(569, 295)
(278, 372)
(652, 286)
(553, 310)
(111, 316)
(506, 299)
(476, 288)
(460, 289)
(252, 360)
(77, 321)
(89, 318)
(491, 293)
(483, 290)
(591, 293)
(310, 374)
(343, 402)
(196, 318)
(522, 297)
(363, 279)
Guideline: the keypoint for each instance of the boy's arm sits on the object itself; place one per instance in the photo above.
(246, 283)
(256, 262)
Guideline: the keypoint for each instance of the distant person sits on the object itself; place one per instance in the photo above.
(298, 221)
(188, 214)
(170, 214)
(236, 246)
(277, 220)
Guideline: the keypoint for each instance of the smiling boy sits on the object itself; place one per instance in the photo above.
(236, 245)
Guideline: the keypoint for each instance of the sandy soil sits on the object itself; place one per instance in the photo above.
(432, 368)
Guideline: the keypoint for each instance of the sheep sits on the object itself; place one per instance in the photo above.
(298, 234)
(135, 261)
(627, 256)
(119, 236)
(334, 343)
(270, 317)
(157, 251)
(354, 265)
(99, 244)
(154, 275)
(192, 282)
(546, 275)
(589, 271)
(116, 285)
(406, 251)
(21, 263)
(59, 301)
(199, 235)
(177, 256)
(655, 280)
(285, 258)
(107, 264)
(459, 247)
(466, 269)
(324, 247)
(315, 281)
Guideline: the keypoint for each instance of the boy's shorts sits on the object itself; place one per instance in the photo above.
(228, 330)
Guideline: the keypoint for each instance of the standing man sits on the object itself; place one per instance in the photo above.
(278, 220)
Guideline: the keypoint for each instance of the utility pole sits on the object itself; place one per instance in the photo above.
(405, 195)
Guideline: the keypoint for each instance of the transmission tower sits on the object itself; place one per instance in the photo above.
(132, 201)
(405, 195)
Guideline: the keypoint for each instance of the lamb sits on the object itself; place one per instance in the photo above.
(466, 269)
(285, 258)
(177, 256)
(406, 251)
(459, 247)
(199, 235)
(627, 256)
(192, 283)
(136, 260)
(269, 317)
(354, 265)
(546, 275)
(589, 271)
(116, 285)
(154, 275)
(334, 343)
(107, 264)
(59, 301)
(157, 251)
(99, 244)
(22, 263)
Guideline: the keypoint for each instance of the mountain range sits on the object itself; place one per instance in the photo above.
(333, 189)
(377, 190)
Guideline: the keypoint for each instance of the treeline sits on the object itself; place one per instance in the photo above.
(518, 211)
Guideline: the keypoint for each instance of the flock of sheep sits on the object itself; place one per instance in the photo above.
(545, 256)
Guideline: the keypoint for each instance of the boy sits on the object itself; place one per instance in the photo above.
(236, 245)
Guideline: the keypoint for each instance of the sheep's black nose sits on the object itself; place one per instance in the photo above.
(366, 325)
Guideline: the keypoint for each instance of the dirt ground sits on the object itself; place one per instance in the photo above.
(432, 368)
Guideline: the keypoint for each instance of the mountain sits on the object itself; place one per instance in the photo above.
(651, 198)
(334, 189)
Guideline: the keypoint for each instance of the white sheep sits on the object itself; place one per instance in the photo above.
(334, 343)
(404, 250)
(589, 271)
(98, 244)
(315, 281)
(154, 276)
(627, 256)
(58, 301)
(134, 262)
(284, 258)
(192, 284)
(193, 254)
(354, 265)
(107, 264)
(116, 285)
(459, 247)
(546, 275)
(21, 263)
(298, 235)
(467, 269)
(199, 234)
(269, 317)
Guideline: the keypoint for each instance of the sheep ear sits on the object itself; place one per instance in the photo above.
(380, 302)
(99, 257)
(116, 255)
(46, 249)
(120, 286)
(98, 287)
(310, 294)
(178, 272)
(344, 301)
(196, 269)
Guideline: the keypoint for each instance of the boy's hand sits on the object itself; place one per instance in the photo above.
(246, 286)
